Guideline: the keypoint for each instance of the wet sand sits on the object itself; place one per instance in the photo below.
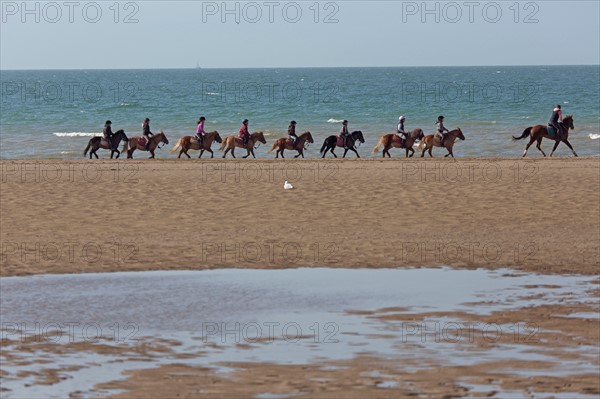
(536, 214)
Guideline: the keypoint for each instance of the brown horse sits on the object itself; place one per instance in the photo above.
(432, 140)
(230, 142)
(285, 143)
(138, 143)
(538, 132)
(393, 140)
(96, 143)
(191, 143)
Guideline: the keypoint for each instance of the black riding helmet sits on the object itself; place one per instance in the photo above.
(107, 123)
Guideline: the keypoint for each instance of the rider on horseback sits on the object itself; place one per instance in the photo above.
(244, 134)
(107, 133)
(146, 133)
(400, 128)
(200, 133)
(554, 121)
(344, 133)
(441, 131)
(292, 133)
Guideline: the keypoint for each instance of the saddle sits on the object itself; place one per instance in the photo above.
(240, 141)
(552, 131)
(340, 140)
(141, 141)
(104, 142)
(291, 143)
(398, 140)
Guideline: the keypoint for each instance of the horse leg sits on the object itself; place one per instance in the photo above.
(345, 152)
(232, 152)
(151, 156)
(527, 146)
(412, 152)
(556, 143)
(569, 145)
(538, 146)
(186, 154)
(430, 148)
(356, 152)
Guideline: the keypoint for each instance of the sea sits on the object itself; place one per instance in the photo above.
(53, 113)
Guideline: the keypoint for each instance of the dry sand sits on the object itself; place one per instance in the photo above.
(101, 216)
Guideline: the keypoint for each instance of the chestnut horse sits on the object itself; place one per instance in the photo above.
(191, 143)
(432, 140)
(138, 143)
(538, 132)
(285, 143)
(98, 142)
(393, 140)
(230, 142)
(336, 141)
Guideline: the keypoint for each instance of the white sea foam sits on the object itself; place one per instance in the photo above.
(594, 136)
(213, 94)
(334, 120)
(76, 134)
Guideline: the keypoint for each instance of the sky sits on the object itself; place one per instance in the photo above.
(69, 34)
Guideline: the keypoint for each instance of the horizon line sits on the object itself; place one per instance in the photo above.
(291, 67)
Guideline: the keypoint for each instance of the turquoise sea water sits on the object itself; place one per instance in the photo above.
(52, 114)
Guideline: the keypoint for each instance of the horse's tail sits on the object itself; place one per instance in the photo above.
(273, 146)
(223, 144)
(87, 148)
(526, 133)
(172, 150)
(322, 150)
(379, 144)
(421, 144)
(125, 146)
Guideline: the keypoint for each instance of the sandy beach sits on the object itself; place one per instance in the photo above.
(539, 215)
(534, 215)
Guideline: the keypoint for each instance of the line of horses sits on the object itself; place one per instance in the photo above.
(387, 141)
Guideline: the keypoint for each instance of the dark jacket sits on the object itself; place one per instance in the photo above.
(146, 130)
(107, 132)
(292, 130)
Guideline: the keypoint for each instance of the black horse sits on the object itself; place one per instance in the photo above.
(336, 141)
(98, 142)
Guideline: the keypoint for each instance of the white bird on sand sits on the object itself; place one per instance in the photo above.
(287, 186)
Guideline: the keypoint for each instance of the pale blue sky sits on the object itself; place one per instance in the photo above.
(368, 33)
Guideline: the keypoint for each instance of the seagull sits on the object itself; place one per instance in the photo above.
(287, 186)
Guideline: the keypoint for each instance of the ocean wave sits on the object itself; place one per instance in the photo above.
(594, 136)
(76, 134)
(335, 120)
(212, 94)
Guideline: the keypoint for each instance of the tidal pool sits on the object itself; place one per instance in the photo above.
(292, 316)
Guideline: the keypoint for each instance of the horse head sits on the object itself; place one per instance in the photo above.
(418, 134)
(358, 135)
(460, 134)
(258, 136)
(307, 136)
(218, 138)
(163, 137)
(568, 122)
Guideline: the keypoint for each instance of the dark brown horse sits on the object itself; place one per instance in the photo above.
(96, 143)
(285, 143)
(139, 143)
(432, 140)
(230, 142)
(393, 140)
(538, 132)
(336, 141)
(191, 143)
